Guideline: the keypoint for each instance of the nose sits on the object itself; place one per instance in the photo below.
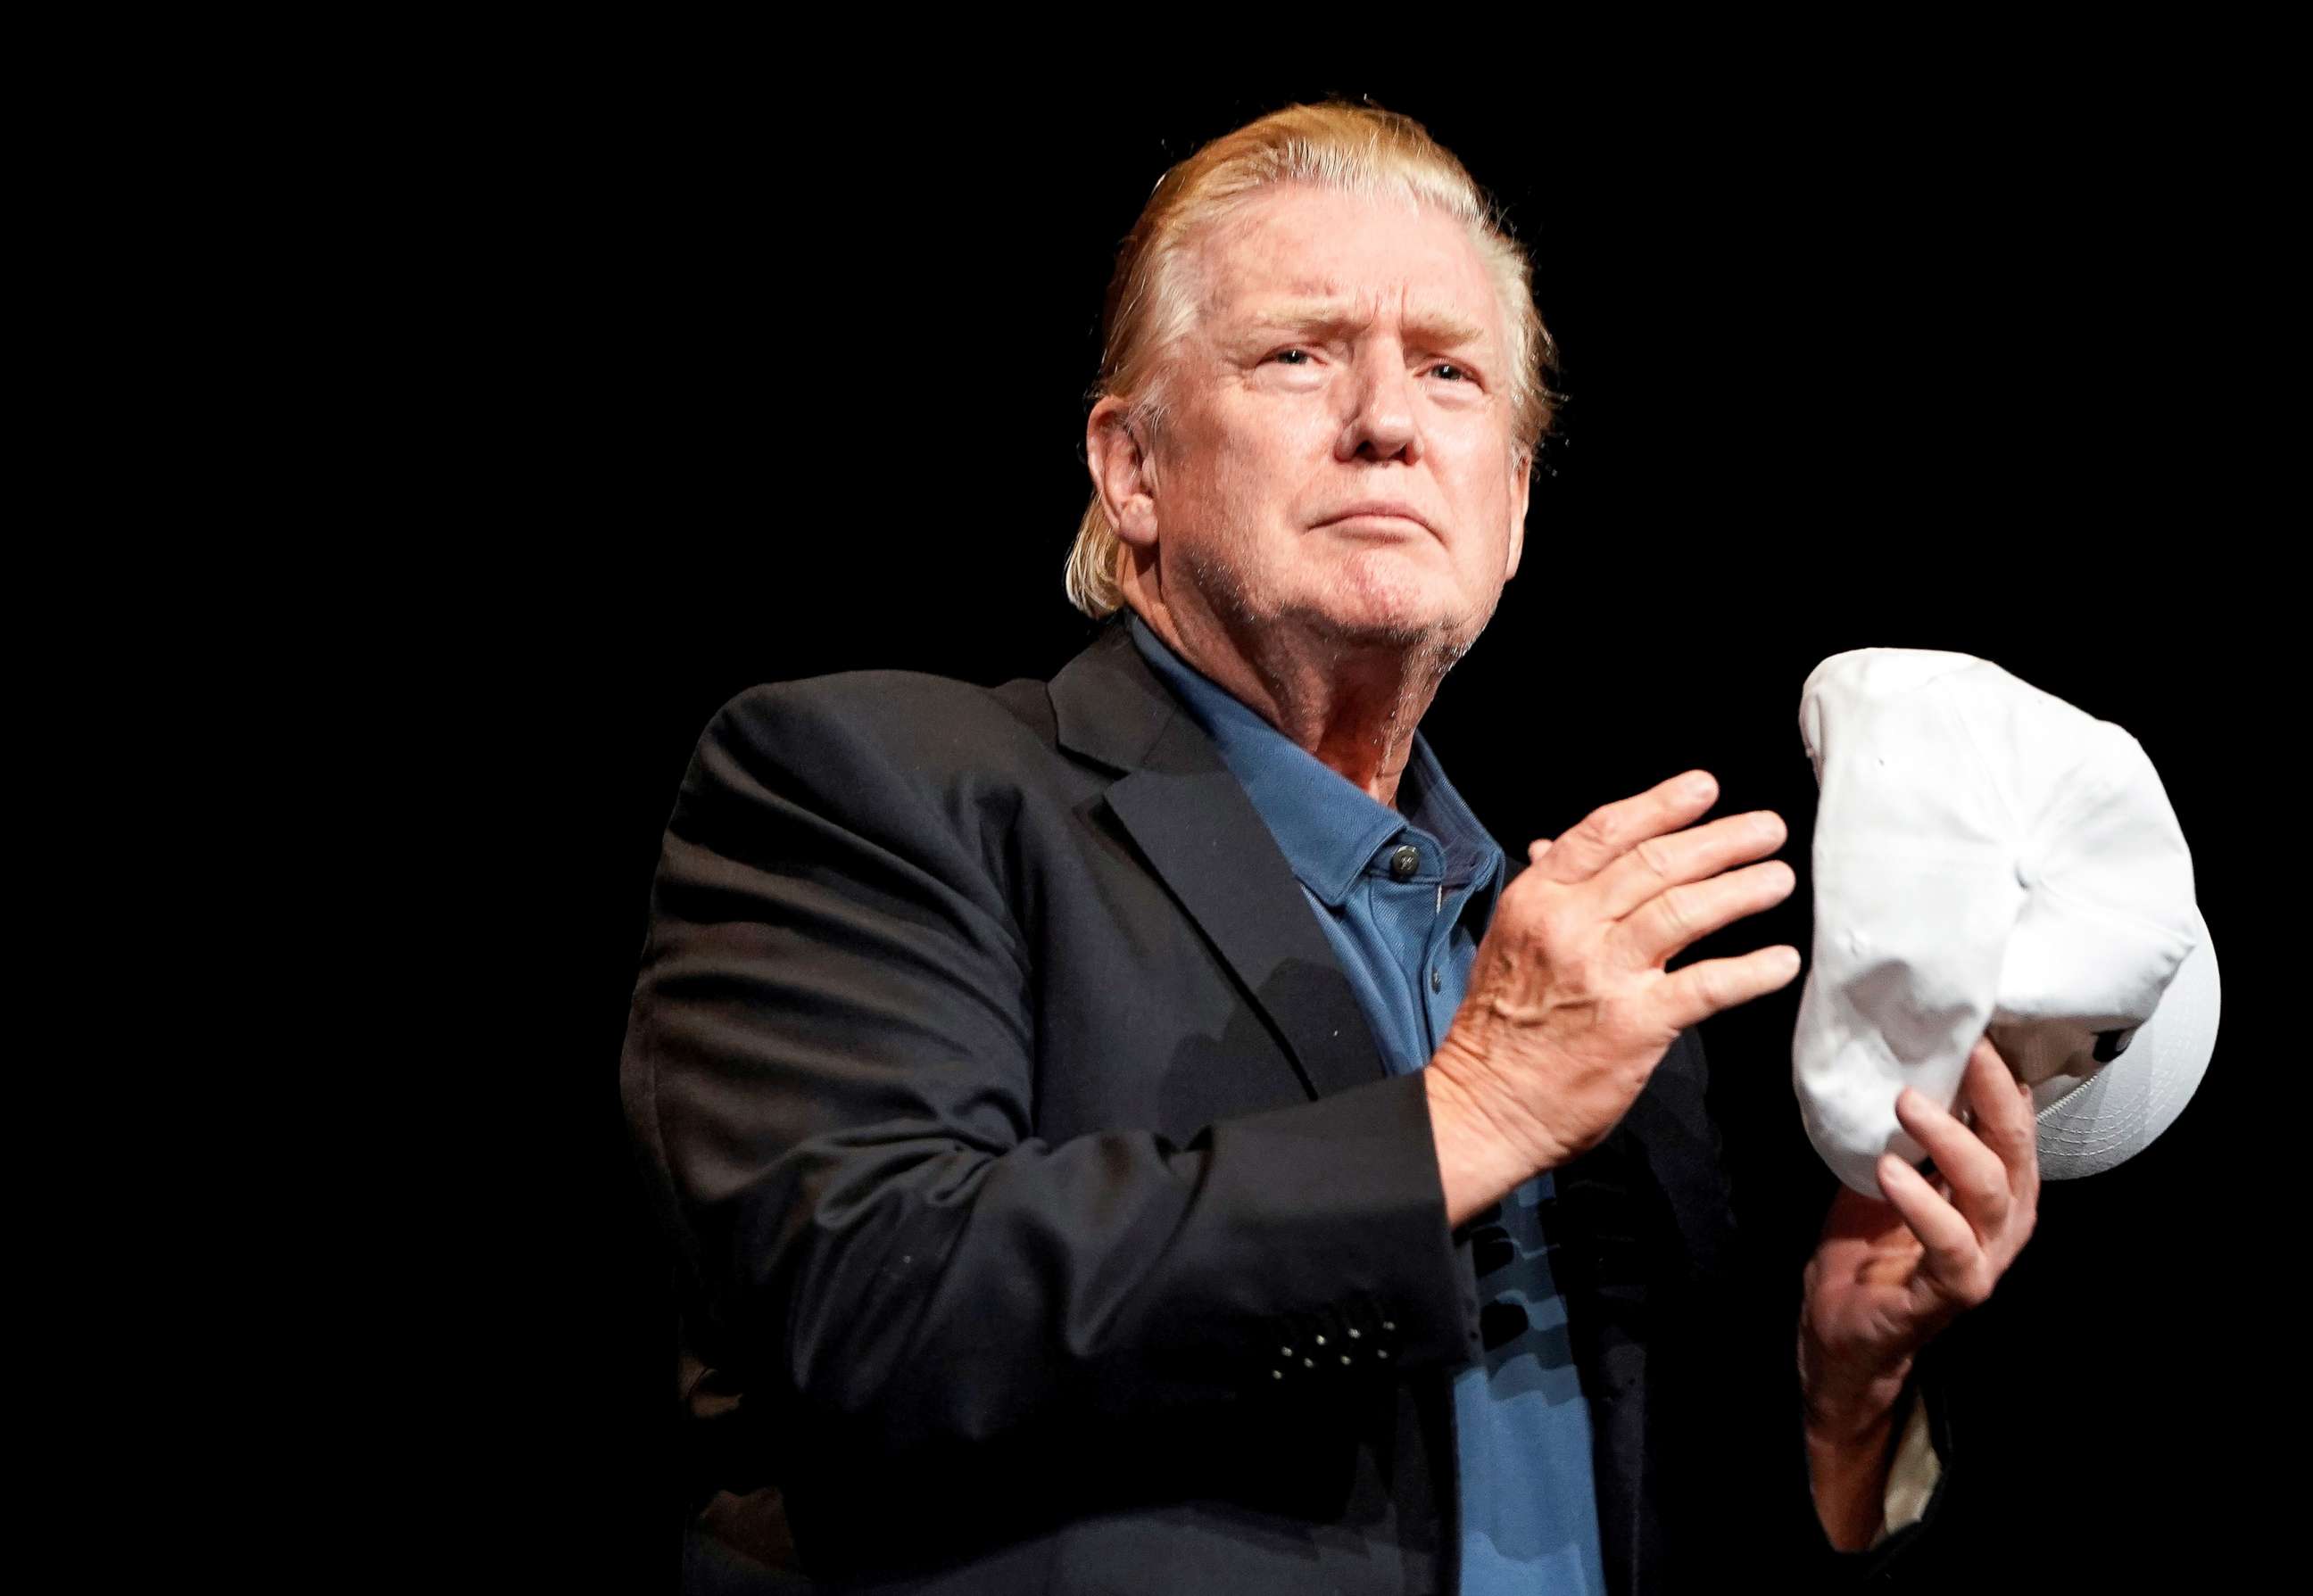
(1381, 423)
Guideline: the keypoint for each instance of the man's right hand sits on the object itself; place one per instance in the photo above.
(1569, 1008)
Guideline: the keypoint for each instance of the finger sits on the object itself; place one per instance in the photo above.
(1605, 834)
(1979, 1180)
(1690, 996)
(1694, 855)
(2003, 1117)
(1682, 915)
(1952, 1256)
(1535, 849)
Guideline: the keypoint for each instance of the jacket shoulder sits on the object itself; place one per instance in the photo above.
(907, 722)
(885, 767)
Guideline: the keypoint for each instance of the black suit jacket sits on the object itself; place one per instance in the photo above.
(1046, 1219)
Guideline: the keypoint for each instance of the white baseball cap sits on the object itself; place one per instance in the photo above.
(1989, 858)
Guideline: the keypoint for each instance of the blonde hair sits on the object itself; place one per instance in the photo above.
(1152, 300)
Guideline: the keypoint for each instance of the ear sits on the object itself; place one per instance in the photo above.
(1124, 475)
(1520, 491)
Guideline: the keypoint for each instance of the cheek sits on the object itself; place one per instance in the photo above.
(1260, 473)
(1479, 483)
(1245, 471)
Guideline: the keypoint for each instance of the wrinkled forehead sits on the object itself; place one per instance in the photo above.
(1300, 255)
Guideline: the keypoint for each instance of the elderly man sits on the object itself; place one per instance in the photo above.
(1138, 1132)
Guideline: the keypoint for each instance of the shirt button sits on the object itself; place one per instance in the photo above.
(1403, 863)
(1437, 981)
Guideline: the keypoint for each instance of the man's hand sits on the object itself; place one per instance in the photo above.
(1570, 1008)
(1886, 1276)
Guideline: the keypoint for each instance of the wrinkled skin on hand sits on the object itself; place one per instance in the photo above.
(1570, 1007)
(1887, 1276)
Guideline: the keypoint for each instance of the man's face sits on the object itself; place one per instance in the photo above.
(1337, 455)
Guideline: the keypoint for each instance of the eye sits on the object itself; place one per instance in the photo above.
(1291, 356)
(1460, 374)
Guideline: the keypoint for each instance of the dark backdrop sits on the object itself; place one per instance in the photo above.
(796, 386)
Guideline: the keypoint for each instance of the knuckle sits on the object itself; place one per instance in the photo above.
(1678, 908)
(1617, 950)
(1596, 832)
(1657, 857)
(1708, 982)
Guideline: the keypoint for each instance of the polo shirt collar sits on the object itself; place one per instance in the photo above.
(1330, 830)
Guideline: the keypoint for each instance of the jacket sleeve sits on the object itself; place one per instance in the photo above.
(831, 1066)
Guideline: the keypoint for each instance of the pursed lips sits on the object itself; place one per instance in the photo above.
(1377, 511)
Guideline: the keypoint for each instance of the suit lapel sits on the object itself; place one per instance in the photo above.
(1190, 817)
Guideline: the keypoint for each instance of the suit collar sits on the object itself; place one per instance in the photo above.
(1107, 705)
(1190, 818)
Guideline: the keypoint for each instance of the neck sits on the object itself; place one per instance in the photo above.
(1352, 703)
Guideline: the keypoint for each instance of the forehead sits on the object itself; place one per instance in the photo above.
(1373, 254)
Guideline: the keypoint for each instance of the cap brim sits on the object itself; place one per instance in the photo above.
(2122, 1109)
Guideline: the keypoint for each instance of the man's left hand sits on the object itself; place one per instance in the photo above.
(1886, 1276)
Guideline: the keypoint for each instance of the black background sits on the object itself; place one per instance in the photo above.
(778, 384)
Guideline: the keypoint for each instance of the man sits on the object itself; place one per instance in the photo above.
(1137, 1133)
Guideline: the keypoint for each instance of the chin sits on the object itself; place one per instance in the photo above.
(1380, 605)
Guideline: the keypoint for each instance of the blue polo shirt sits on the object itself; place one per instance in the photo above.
(1403, 895)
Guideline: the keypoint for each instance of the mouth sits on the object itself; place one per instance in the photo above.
(1384, 520)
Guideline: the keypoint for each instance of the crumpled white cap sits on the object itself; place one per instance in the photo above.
(1989, 858)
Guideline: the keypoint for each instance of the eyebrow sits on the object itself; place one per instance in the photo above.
(1335, 318)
